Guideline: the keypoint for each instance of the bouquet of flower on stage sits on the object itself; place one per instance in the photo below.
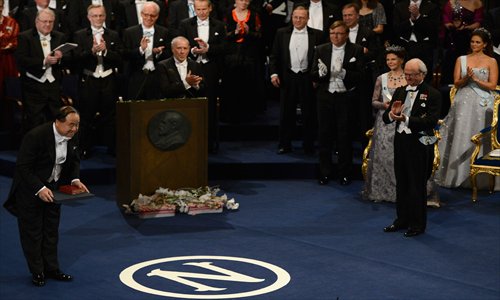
(165, 202)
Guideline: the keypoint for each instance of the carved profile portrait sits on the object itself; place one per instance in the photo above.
(169, 130)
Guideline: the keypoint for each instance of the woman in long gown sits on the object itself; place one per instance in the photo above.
(475, 75)
(9, 30)
(243, 77)
(380, 182)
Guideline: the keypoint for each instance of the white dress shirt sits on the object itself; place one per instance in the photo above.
(410, 99)
(413, 37)
(148, 52)
(315, 15)
(298, 50)
(61, 151)
(182, 69)
(337, 73)
(353, 34)
(47, 76)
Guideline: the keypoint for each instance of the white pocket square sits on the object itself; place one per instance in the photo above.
(216, 33)
(352, 59)
(426, 39)
(363, 40)
(161, 40)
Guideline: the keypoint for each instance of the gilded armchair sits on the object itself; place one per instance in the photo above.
(490, 162)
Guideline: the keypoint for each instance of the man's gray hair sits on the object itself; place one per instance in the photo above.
(46, 11)
(421, 65)
(177, 39)
(153, 4)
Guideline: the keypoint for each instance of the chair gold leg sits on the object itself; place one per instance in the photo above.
(492, 183)
(474, 187)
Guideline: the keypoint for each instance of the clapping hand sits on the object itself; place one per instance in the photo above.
(202, 46)
(98, 47)
(470, 73)
(322, 68)
(158, 50)
(414, 11)
(193, 80)
(396, 109)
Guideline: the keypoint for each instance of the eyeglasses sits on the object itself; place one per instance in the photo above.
(412, 74)
(149, 15)
(45, 21)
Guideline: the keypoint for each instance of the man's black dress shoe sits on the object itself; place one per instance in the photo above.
(413, 232)
(323, 180)
(60, 276)
(345, 181)
(393, 228)
(284, 150)
(38, 279)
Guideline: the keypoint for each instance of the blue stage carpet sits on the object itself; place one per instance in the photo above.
(327, 239)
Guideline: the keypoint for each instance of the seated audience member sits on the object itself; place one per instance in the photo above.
(180, 76)
(476, 75)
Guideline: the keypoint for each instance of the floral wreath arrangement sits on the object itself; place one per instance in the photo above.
(165, 202)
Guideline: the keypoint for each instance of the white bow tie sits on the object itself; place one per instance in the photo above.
(45, 37)
(98, 31)
(148, 33)
(62, 139)
(338, 48)
(140, 1)
(203, 23)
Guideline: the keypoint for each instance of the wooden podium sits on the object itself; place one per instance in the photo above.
(142, 162)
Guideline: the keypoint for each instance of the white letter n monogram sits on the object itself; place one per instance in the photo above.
(180, 276)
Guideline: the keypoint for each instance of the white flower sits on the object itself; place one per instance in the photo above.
(205, 197)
